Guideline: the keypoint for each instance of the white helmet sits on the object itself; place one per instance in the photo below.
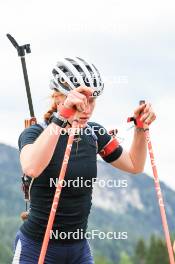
(68, 74)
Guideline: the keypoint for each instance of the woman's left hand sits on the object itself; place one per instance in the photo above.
(146, 112)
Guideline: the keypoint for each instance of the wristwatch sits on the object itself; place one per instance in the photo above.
(58, 120)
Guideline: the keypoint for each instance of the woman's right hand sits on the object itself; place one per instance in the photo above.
(77, 98)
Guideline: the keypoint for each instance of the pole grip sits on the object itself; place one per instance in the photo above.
(13, 41)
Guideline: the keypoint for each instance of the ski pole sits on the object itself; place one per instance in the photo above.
(27, 122)
(21, 53)
(157, 187)
(57, 193)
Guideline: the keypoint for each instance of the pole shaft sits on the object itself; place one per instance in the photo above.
(57, 195)
(26, 80)
(160, 199)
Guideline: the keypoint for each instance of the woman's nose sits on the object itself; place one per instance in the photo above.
(87, 109)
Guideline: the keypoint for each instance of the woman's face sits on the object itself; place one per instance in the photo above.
(84, 116)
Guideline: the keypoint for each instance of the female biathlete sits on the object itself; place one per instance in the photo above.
(76, 84)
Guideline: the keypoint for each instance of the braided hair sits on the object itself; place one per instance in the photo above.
(53, 108)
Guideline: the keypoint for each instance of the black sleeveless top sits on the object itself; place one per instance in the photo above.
(75, 200)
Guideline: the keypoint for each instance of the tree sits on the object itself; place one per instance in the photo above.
(5, 254)
(102, 260)
(157, 252)
(125, 259)
(140, 252)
